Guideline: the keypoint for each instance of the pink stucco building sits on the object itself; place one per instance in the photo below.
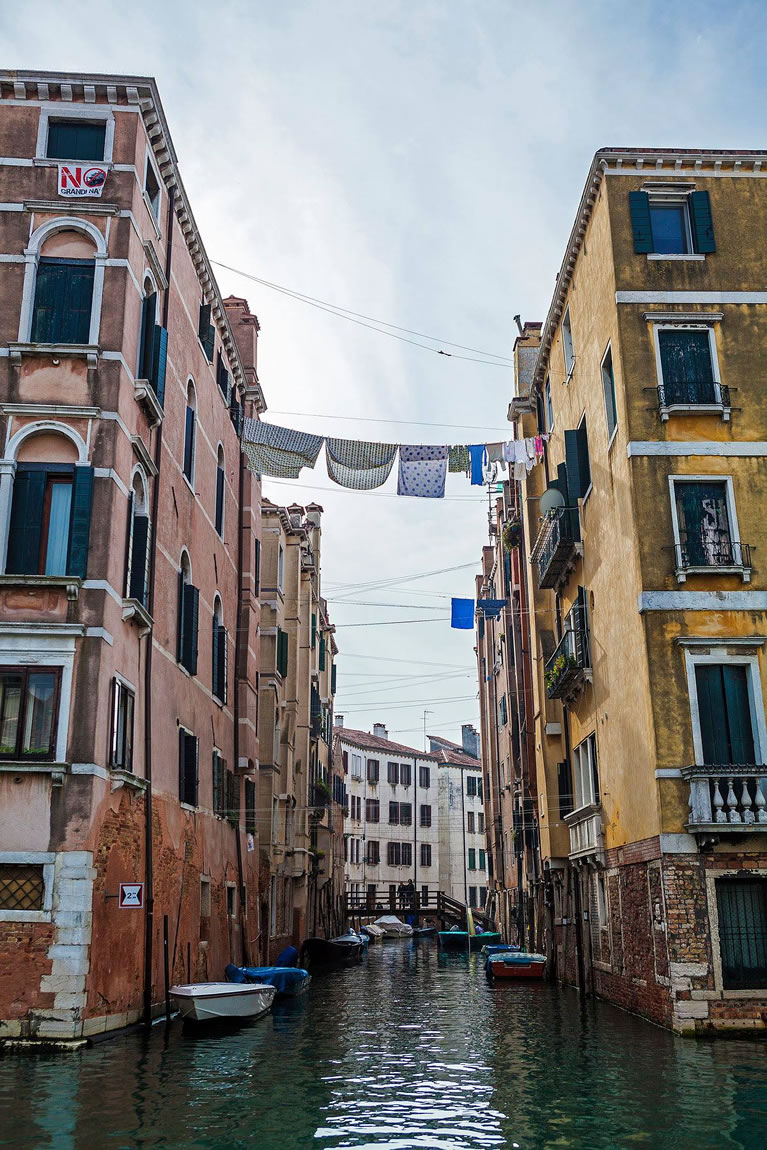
(129, 538)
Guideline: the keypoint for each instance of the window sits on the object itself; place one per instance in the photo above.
(356, 766)
(372, 810)
(357, 802)
(373, 770)
(257, 567)
(220, 675)
(187, 767)
(190, 430)
(608, 387)
(63, 298)
(282, 664)
(152, 188)
(206, 331)
(703, 525)
(481, 860)
(392, 774)
(222, 376)
(76, 140)
(549, 405)
(373, 856)
(393, 854)
(471, 785)
(473, 897)
(472, 858)
(281, 568)
(50, 523)
(218, 770)
(480, 823)
(22, 887)
(139, 552)
(724, 713)
(405, 774)
(405, 814)
(394, 813)
(687, 364)
(585, 772)
(503, 709)
(479, 788)
(567, 344)
(121, 736)
(250, 807)
(425, 818)
(220, 489)
(424, 777)
(407, 854)
(188, 618)
(146, 335)
(742, 906)
(470, 822)
(28, 712)
(323, 653)
(425, 854)
(671, 224)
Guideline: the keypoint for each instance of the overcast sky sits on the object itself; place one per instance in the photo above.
(419, 162)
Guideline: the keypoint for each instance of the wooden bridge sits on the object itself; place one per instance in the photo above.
(417, 904)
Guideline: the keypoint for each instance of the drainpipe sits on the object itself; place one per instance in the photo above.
(463, 829)
(236, 709)
(148, 851)
(415, 835)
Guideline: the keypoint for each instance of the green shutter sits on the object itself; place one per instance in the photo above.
(322, 653)
(220, 663)
(159, 362)
(209, 342)
(572, 458)
(702, 222)
(181, 763)
(72, 140)
(25, 533)
(138, 559)
(639, 204)
(80, 523)
(189, 442)
(219, 499)
(191, 598)
(188, 766)
(180, 618)
(148, 305)
(50, 296)
(333, 679)
(314, 631)
(712, 713)
(218, 778)
(204, 321)
(738, 714)
(257, 567)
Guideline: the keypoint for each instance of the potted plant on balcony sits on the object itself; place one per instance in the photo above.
(558, 670)
(511, 536)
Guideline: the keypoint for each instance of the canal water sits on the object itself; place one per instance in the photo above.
(411, 1049)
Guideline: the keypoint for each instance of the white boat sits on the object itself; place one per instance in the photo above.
(374, 933)
(212, 1001)
(392, 927)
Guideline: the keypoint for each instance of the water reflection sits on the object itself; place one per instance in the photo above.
(413, 1049)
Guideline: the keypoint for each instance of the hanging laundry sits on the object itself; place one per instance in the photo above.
(462, 614)
(278, 451)
(422, 471)
(458, 461)
(520, 471)
(509, 449)
(489, 471)
(358, 465)
(477, 454)
(538, 447)
(495, 452)
(491, 608)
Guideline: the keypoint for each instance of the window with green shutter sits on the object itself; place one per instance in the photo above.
(219, 784)
(282, 652)
(206, 331)
(250, 807)
(63, 299)
(188, 623)
(76, 140)
(220, 662)
(672, 224)
(49, 531)
(333, 679)
(577, 462)
(187, 767)
(322, 653)
(724, 711)
(472, 858)
(314, 630)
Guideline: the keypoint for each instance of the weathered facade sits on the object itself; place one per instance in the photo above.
(463, 855)
(127, 546)
(649, 618)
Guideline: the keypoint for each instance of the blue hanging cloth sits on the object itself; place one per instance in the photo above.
(476, 455)
(491, 608)
(462, 614)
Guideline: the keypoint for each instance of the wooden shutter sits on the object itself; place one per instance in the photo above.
(148, 305)
(189, 442)
(219, 499)
(204, 321)
(702, 222)
(180, 617)
(641, 226)
(72, 140)
(250, 807)
(333, 679)
(75, 321)
(159, 362)
(218, 784)
(257, 567)
(712, 713)
(129, 545)
(139, 559)
(735, 681)
(322, 653)
(80, 522)
(25, 533)
(314, 630)
(50, 294)
(222, 376)
(578, 468)
(221, 669)
(188, 748)
(191, 609)
(209, 342)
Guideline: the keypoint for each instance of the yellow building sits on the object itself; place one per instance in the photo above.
(646, 530)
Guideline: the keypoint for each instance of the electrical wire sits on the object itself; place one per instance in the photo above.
(403, 704)
(357, 317)
(414, 662)
(388, 623)
(373, 494)
(400, 422)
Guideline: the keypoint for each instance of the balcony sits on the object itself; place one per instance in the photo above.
(729, 798)
(712, 552)
(568, 669)
(557, 547)
(586, 831)
(695, 397)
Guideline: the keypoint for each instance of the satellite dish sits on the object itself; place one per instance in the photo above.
(551, 500)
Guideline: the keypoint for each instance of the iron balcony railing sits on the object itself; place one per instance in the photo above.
(556, 546)
(693, 393)
(565, 671)
(712, 548)
(727, 797)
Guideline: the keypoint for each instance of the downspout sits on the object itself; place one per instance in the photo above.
(236, 710)
(148, 845)
(463, 829)
(415, 835)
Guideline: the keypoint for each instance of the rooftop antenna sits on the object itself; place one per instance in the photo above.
(518, 321)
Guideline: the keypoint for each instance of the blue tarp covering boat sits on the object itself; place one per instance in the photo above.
(288, 981)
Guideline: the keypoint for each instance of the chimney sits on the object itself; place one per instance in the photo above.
(470, 740)
(379, 730)
(339, 721)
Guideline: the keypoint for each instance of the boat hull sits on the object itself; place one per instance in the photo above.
(288, 981)
(516, 967)
(329, 953)
(462, 940)
(222, 1001)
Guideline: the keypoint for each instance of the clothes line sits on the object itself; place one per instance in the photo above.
(361, 465)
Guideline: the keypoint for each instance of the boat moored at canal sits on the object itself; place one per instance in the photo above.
(515, 964)
(222, 1001)
(288, 981)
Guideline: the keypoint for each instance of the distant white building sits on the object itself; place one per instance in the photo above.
(462, 834)
(391, 829)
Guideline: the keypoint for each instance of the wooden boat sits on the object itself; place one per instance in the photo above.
(288, 981)
(394, 927)
(516, 965)
(222, 1001)
(327, 953)
(424, 932)
(462, 940)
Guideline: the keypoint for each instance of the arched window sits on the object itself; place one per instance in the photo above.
(63, 298)
(220, 487)
(49, 527)
(137, 577)
(146, 338)
(189, 432)
(188, 616)
(220, 661)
